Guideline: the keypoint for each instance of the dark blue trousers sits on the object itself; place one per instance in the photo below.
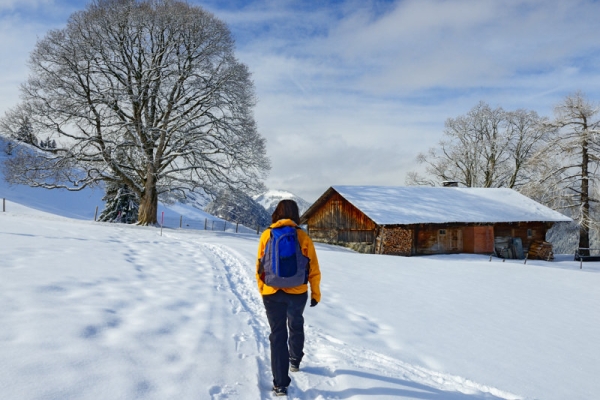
(284, 311)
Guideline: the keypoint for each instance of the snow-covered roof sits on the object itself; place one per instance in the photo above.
(397, 205)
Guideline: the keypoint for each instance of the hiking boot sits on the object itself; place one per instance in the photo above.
(294, 365)
(279, 390)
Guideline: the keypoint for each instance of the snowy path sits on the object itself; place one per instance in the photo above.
(93, 311)
(333, 369)
(246, 305)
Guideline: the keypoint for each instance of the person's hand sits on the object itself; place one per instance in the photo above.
(313, 302)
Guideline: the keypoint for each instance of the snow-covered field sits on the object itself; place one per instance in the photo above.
(106, 311)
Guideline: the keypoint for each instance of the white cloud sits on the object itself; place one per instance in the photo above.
(372, 85)
(22, 23)
(425, 43)
(351, 92)
(20, 37)
(13, 4)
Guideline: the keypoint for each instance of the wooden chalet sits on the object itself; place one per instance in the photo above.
(426, 220)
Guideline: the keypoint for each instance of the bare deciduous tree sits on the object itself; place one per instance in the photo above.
(484, 148)
(527, 132)
(144, 93)
(574, 149)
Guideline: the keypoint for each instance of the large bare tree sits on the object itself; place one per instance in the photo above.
(574, 147)
(485, 148)
(146, 94)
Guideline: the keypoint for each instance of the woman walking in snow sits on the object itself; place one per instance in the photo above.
(285, 305)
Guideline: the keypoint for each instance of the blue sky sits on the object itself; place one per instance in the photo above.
(351, 91)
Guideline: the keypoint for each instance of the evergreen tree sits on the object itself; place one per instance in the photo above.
(122, 204)
(9, 148)
(25, 133)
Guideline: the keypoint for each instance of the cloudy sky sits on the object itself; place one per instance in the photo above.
(350, 91)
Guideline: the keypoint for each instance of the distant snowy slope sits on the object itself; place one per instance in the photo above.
(271, 198)
(79, 205)
(238, 207)
(82, 204)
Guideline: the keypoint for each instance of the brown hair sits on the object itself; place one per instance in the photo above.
(286, 209)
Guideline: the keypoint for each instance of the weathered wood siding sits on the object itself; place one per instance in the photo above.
(527, 231)
(439, 239)
(478, 239)
(337, 221)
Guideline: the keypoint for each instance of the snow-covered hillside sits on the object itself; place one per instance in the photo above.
(110, 311)
(271, 198)
(81, 205)
(173, 210)
(85, 204)
(237, 206)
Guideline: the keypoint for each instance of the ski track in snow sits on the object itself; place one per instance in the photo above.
(331, 367)
(242, 286)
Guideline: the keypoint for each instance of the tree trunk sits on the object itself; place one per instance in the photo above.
(149, 201)
(584, 240)
(584, 234)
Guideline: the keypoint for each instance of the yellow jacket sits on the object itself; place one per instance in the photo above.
(308, 249)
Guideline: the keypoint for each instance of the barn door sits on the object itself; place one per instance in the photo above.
(450, 240)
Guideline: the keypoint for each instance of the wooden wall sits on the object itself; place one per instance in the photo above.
(478, 239)
(474, 238)
(438, 239)
(527, 231)
(338, 221)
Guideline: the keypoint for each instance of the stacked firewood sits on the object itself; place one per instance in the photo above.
(397, 241)
(541, 250)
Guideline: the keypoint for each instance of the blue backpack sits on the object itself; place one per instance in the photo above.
(283, 264)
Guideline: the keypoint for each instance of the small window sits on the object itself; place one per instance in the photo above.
(529, 233)
(442, 231)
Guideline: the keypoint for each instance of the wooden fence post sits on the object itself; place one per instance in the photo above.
(162, 220)
(205, 222)
(180, 221)
(3, 204)
(213, 225)
(96, 214)
(236, 227)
